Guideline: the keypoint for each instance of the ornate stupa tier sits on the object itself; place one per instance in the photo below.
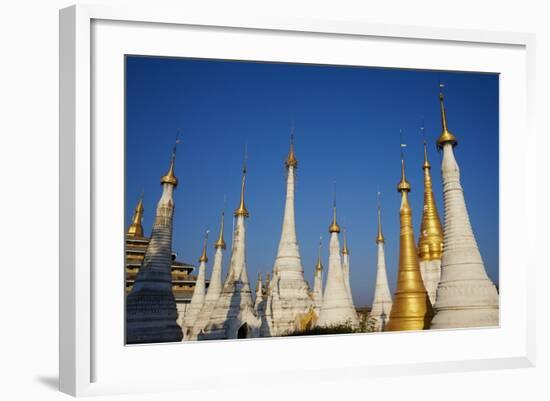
(430, 241)
(466, 297)
(411, 309)
(150, 307)
(290, 299)
(136, 228)
(382, 301)
(234, 315)
(197, 300)
(337, 307)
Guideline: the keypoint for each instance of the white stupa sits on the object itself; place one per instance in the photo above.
(337, 307)
(289, 297)
(199, 293)
(151, 312)
(234, 315)
(214, 288)
(382, 301)
(345, 265)
(318, 284)
(466, 297)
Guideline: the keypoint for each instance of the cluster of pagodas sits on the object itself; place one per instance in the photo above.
(441, 283)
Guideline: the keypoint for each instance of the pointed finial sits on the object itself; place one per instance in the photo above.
(319, 265)
(334, 227)
(220, 243)
(426, 164)
(345, 250)
(291, 160)
(403, 185)
(380, 236)
(259, 283)
(203, 257)
(136, 228)
(446, 136)
(241, 210)
(170, 176)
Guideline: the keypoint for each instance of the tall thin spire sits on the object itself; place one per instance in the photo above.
(379, 236)
(291, 158)
(382, 295)
(241, 210)
(430, 245)
(319, 265)
(170, 176)
(203, 257)
(411, 309)
(345, 250)
(136, 228)
(220, 243)
(334, 227)
(446, 136)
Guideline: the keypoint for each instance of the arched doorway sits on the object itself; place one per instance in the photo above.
(243, 331)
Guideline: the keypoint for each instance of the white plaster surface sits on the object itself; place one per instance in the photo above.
(466, 297)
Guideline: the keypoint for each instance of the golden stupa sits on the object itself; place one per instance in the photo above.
(136, 228)
(411, 309)
(430, 243)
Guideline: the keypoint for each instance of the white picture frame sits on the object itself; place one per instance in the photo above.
(88, 366)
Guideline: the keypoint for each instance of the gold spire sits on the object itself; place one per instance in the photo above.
(203, 257)
(345, 250)
(426, 164)
(403, 185)
(430, 242)
(446, 136)
(241, 210)
(136, 229)
(334, 227)
(170, 176)
(319, 265)
(220, 243)
(291, 160)
(411, 308)
(380, 236)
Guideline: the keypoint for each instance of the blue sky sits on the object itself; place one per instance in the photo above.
(347, 122)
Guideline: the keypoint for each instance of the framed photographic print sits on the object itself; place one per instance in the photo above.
(336, 197)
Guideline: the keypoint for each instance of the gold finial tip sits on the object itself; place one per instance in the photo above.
(170, 177)
(203, 257)
(291, 160)
(446, 135)
(403, 185)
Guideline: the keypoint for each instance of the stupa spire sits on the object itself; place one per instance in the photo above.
(151, 312)
(214, 288)
(220, 243)
(446, 136)
(430, 240)
(346, 266)
(334, 227)
(136, 227)
(234, 315)
(382, 301)
(289, 298)
(337, 307)
(379, 235)
(411, 309)
(466, 297)
(241, 210)
(197, 300)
